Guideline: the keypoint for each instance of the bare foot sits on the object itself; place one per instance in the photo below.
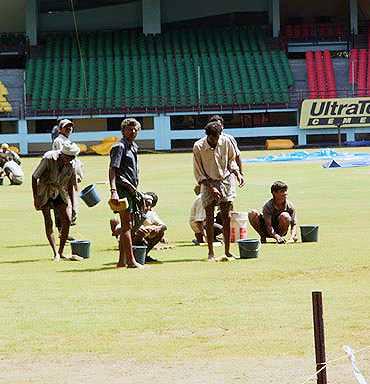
(56, 257)
(76, 258)
(230, 256)
(263, 240)
(121, 265)
(211, 258)
(223, 258)
(135, 265)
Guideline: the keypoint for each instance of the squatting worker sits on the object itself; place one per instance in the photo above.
(278, 214)
(215, 170)
(123, 178)
(10, 166)
(53, 184)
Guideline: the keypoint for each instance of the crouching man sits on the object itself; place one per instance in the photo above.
(278, 214)
(53, 184)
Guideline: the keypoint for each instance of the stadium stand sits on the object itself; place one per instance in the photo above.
(359, 71)
(311, 32)
(320, 75)
(126, 70)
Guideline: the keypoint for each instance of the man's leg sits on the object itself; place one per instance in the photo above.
(154, 239)
(49, 232)
(255, 222)
(126, 255)
(284, 223)
(210, 211)
(65, 222)
(225, 213)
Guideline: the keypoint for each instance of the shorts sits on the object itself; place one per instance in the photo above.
(53, 203)
(122, 193)
(227, 188)
(275, 226)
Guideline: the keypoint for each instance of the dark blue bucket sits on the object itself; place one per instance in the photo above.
(140, 253)
(81, 248)
(248, 248)
(90, 195)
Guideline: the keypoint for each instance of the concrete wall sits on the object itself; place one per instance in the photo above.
(130, 15)
(12, 16)
(191, 9)
(106, 18)
(316, 8)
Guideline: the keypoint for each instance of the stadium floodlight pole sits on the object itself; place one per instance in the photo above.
(198, 84)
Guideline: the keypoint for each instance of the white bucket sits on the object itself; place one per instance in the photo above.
(238, 226)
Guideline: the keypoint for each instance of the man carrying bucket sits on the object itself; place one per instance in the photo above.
(53, 184)
(123, 178)
(278, 214)
(215, 170)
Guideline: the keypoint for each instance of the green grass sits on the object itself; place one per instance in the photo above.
(187, 308)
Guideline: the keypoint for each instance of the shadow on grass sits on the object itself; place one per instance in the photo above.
(21, 261)
(89, 269)
(26, 246)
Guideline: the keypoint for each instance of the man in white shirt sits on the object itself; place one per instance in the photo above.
(215, 170)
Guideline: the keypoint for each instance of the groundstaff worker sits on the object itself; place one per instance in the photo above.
(53, 184)
(123, 178)
(215, 170)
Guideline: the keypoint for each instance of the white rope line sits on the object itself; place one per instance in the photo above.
(79, 48)
(332, 361)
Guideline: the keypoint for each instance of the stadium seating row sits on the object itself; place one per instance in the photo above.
(320, 75)
(5, 106)
(359, 71)
(127, 69)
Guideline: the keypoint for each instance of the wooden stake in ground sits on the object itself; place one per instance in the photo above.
(318, 324)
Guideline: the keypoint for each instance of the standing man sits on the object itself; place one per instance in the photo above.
(53, 184)
(65, 129)
(278, 214)
(215, 170)
(123, 178)
(233, 141)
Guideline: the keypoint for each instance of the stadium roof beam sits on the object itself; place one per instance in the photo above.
(353, 10)
(50, 6)
(32, 21)
(274, 16)
(151, 16)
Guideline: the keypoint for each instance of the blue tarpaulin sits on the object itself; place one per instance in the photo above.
(322, 154)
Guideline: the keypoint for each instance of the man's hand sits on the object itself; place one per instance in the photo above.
(241, 180)
(293, 239)
(279, 239)
(216, 193)
(114, 196)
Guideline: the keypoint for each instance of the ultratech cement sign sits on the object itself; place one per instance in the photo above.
(331, 113)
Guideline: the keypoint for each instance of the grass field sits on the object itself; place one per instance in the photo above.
(185, 309)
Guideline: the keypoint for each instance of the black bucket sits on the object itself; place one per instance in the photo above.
(309, 233)
(140, 253)
(90, 195)
(249, 248)
(81, 248)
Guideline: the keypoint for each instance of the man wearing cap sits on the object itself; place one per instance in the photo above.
(65, 129)
(123, 178)
(10, 166)
(53, 183)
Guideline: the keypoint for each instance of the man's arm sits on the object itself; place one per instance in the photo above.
(270, 229)
(35, 176)
(34, 191)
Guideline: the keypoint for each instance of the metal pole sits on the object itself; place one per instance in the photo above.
(199, 84)
(319, 336)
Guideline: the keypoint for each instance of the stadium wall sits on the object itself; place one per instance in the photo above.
(12, 16)
(130, 15)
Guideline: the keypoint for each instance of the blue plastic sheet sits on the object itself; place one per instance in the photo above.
(322, 154)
